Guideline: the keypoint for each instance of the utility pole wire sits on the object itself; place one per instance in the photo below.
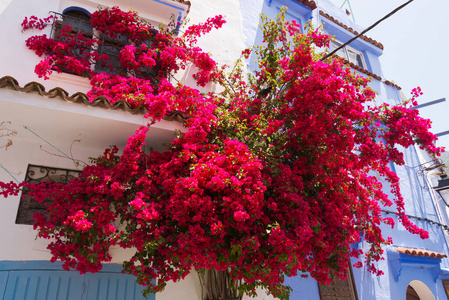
(368, 29)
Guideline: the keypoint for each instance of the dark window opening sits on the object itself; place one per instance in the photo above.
(446, 287)
(111, 47)
(411, 294)
(74, 31)
(101, 42)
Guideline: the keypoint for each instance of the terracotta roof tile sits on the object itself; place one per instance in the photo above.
(308, 3)
(387, 82)
(363, 37)
(8, 82)
(420, 252)
(360, 227)
(365, 71)
(184, 2)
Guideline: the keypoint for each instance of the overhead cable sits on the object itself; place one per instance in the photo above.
(367, 29)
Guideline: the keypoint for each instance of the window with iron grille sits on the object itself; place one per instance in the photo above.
(79, 21)
(40, 174)
(111, 47)
(80, 29)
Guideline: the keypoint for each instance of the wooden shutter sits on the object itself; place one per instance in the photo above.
(113, 286)
(339, 289)
(64, 285)
(43, 285)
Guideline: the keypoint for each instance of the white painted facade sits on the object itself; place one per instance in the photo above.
(79, 130)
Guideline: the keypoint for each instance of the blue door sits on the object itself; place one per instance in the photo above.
(26, 281)
(112, 286)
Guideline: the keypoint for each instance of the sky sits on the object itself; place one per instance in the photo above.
(416, 43)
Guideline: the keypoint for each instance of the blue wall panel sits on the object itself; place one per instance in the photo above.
(33, 283)
(113, 286)
(43, 285)
(3, 280)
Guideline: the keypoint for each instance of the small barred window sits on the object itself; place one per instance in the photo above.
(39, 174)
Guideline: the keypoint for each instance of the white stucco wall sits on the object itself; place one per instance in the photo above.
(225, 44)
(16, 59)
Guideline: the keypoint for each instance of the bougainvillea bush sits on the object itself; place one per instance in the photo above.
(275, 175)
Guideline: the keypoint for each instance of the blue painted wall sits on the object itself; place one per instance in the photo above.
(271, 8)
(418, 194)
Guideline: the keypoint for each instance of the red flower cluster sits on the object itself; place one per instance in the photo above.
(78, 221)
(145, 62)
(195, 31)
(36, 23)
(273, 176)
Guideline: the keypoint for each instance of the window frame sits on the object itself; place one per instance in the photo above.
(106, 45)
(71, 16)
(346, 49)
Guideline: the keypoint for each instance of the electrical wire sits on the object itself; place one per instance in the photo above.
(368, 29)
(446, 227)
(9, 173)
(76, 163)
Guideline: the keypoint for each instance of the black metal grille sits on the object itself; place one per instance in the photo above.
(39, 174)
(80, 23)
(111, 47)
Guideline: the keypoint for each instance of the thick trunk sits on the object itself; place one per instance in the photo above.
(218, 285)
